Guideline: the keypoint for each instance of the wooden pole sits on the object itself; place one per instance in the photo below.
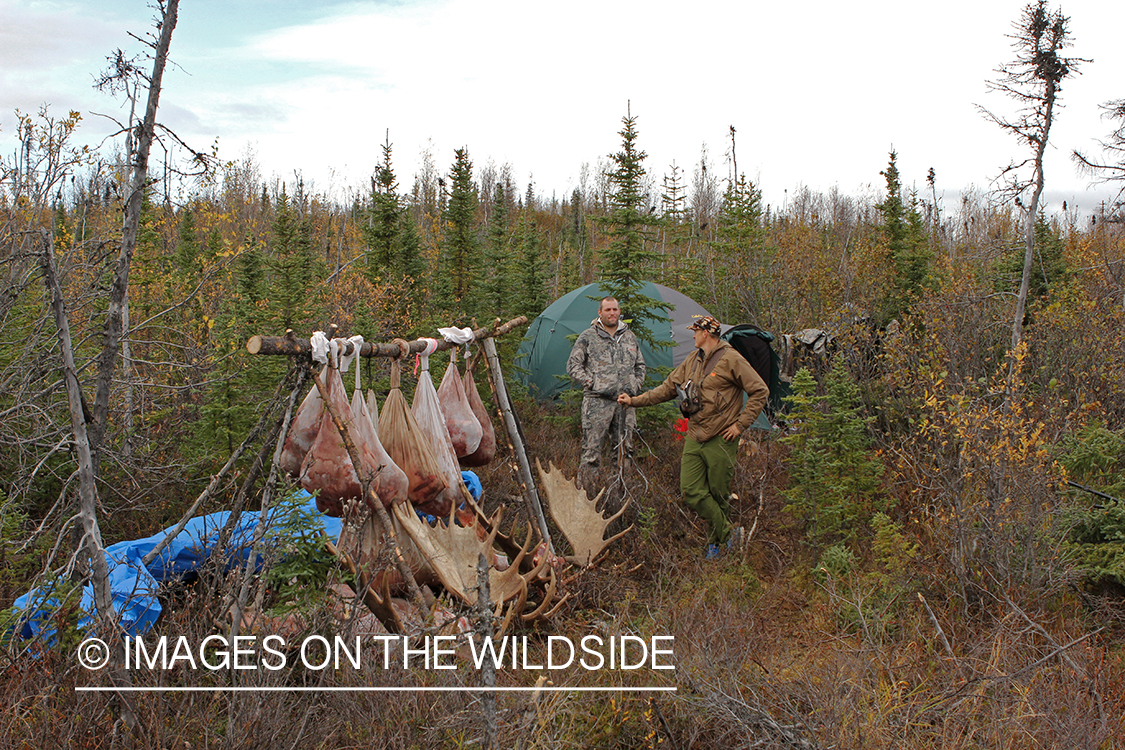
(290, 345)
(531, 493)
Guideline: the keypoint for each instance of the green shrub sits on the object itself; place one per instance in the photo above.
(1095, 537)
(299, 578)
(835, 476)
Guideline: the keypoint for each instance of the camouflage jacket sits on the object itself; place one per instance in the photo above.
(606, 365)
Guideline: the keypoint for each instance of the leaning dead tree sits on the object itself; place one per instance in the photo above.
(85, 430)
(1034, 80)
(82, 432)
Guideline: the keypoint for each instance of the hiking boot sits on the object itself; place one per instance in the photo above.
(736, 539)
(712, 552)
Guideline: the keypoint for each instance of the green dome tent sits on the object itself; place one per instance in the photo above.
(541, 359)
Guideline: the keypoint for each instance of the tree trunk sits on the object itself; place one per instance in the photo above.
(89, 535)
(1033, 211)
(107, 360)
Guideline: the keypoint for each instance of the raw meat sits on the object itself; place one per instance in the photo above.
(411, 450)
(302, 433)
(486, 451)
(464, 428)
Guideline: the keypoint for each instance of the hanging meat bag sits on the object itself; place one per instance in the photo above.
(391, 484)
(463, 426)
(427, 411)
(327, 471)
(487, 448)
(410, 448)
(302, 433)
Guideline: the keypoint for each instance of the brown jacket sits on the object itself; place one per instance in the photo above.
(721, 392)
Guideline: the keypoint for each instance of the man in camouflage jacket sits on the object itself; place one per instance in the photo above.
(711, 444)
(606, 360)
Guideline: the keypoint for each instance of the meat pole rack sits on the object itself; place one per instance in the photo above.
(290, 345)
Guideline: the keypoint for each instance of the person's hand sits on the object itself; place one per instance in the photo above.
(732, 433)
(625, 399)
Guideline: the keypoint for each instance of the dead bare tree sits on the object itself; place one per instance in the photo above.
(38, 429)
(1104, 169)
(139, 144)
(1034, 80)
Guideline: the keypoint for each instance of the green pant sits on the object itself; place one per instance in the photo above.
(705, 473)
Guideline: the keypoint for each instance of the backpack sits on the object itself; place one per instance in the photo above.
(755, 345)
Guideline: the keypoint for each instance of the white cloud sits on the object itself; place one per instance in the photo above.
(819, 91)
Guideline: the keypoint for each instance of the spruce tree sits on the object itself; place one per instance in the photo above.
(187, 249)
(739, 264)
(834, 475)
(1050, 266)
(381, 230)
(576, 240)
(214, 244)
(292, 265)
(251, 278)
(630, 227)
(907, 250)
(533, 295)
(496, 275)
(237, 387)
(676, 229)
(411, 262)
(1050, 262)
(459, 240)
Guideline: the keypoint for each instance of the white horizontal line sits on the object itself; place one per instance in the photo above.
(237, 689)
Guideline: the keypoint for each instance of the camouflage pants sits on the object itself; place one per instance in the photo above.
(602, 418)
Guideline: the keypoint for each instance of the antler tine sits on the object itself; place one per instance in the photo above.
(548, 595)
(524, 548)
(603, 550)
(378, 602)
(615, 516)
(494, 522)
(558, 605)
(513, 607)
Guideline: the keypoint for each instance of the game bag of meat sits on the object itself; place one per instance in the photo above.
(302, 433)
(428, 413)
(327, 470)
(464, 427)
(410, 448)
(487, 448)
(391, 484)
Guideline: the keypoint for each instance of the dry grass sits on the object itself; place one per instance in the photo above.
(765, 657)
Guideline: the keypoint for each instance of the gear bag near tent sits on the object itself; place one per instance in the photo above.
(541, 359)
(756, 346)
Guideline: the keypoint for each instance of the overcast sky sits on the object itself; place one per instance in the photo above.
(818, 91)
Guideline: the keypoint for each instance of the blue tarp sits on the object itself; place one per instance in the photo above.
(135, 587)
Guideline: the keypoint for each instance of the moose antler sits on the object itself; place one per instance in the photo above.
(451, 553)
(379, 602)
(577, 516)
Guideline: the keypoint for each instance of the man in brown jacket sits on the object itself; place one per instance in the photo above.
(711, 446)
